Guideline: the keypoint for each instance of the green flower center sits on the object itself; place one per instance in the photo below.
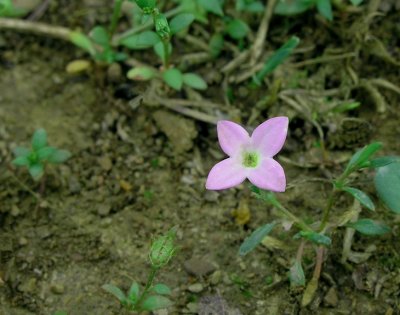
(250, 159)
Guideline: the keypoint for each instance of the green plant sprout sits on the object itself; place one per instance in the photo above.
(160, 40)
(99, 42)
(387, 182)
(152, 296)
(39, 155)
(7, 9)
(294, 7)
(275, 60)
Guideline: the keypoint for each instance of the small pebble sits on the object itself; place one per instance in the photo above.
(104, 210)
(195, 288)
(57, 288)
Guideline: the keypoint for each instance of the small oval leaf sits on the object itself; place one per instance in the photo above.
(361, 196)
(180, 22)
(142, 40)
(141, 74)
(387, 184)
(255, 238)
(194, 81)
(114, 290)
(173, 77)
(162, 289)
(155, 302)
(369, 227)
(296, 275)
(39, 139)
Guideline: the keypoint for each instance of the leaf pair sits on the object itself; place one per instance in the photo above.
(133, 301)
(173, 77)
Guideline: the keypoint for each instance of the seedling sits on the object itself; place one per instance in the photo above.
(99, 42)
(160, 40)
(152, 296)
(39, 155)
(251, 157)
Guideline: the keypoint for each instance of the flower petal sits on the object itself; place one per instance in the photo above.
(231, 136)
(269, 176)
(270, 136)
(225, 174)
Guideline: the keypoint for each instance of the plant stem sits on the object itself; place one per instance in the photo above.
(166, 54)
(327, 210)
(331, 200)
(36, 27)
(143, 27)
(304, 226)
(312, 286)
(149, 283)
(115, 18)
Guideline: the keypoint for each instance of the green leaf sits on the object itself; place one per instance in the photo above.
(59, 156)
(344, 107)
(216, 44)
(141, 74)
(39, 139)
(361, 156)
(387, 184)
(276, 59)
(253, 7)
(133, 293)
(317, 238)
(180, 22)
(36, 171)
(146, 5)
(100, 36)
(173, 77)
(60, 313)
(325, 9)
(296, 275)
(284, 7)
(356, 2)
(142, 40)
(82, 41)
(155, 302)
(383, 161)
(194, 81)
(160, 50)
(255, 238)
(213, 6)
(369, 227)
(361, 197)
(237, 29)
(21, 151)
(161, 289)
(21, 161)
(7, 9)
(114, 290)
(44, 153)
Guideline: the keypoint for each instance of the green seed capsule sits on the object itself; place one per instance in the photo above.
(162, 249)
(162, 26)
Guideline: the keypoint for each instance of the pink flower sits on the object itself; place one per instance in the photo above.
(250, 157)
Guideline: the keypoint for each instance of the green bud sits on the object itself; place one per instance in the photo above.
(146, 5)
(162, 249)
(162, 26)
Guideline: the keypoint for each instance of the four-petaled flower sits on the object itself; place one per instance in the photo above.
(250, 157)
